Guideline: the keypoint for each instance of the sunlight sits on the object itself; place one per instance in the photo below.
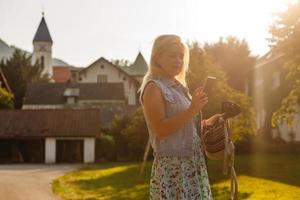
(105, 182)
(94, 174)
(243, 19)
(236, 17)
(254, 188)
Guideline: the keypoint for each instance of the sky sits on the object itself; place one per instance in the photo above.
(85, 30)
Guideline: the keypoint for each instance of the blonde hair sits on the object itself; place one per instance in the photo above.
(160, 45)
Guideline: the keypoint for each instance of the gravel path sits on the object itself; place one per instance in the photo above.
(30, 182)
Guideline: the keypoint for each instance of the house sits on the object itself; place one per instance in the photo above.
(3, 82)
(103, 71)
(60, 120)
(107, 97)
(62, 74)
(268, 90)
(100, 71)
(48, 136)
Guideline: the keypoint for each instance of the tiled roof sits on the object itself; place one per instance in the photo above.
(268, 58)
(138, 68)
(43, 123)
(42, 34)
(53, 93)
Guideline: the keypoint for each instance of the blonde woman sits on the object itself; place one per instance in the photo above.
(179, 169)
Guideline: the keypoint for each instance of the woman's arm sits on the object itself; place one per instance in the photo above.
(154, 110)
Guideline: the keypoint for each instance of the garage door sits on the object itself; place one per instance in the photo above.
(22, 151)
(69, 151)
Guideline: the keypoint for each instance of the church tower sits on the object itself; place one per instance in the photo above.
(42, 47)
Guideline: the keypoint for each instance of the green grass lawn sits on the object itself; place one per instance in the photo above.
(260, 177)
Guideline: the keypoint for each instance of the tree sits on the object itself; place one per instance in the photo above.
(233, 56)
(202, 65)
(6, 99)
(119, 124)
(137, 134)
(19, 71)
(121, 62)
(130, 135)
(286, 39)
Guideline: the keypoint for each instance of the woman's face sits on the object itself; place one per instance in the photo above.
(171, 60)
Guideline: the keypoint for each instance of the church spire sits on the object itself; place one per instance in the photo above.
(42, 47)
(42, 34)
(43, 11)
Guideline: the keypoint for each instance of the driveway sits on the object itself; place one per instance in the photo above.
(30, 182)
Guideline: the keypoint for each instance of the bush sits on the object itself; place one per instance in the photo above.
(137, 135)
(130, 136)
(105, 148)
(6, 99)
(118, 126)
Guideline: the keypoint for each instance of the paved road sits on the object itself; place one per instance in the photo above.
(30, 182)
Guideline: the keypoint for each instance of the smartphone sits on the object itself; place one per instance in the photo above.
(209, 83)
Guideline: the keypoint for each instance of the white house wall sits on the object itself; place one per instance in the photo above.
(89, 150)
(92, 103)
(285, 131)
(41, 107)
(50, 150)
(260, 102)
(78, 104)
(46, 53)
(113, 76)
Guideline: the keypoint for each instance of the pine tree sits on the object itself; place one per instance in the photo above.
(19, 71)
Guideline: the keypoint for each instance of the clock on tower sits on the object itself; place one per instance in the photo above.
(42, 48)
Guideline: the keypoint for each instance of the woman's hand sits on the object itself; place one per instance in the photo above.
(213, 119)
(199, 100)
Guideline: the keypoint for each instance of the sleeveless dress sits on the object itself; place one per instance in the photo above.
(180, 177)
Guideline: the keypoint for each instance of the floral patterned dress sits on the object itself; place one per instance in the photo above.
(180, 178)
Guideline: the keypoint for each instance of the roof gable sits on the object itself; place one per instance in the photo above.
(112, 65)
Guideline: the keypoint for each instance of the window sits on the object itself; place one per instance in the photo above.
(102, 66)
(260, 118)
(71, 92)
(275, 79)
(43, 61)
(102, 78)
(71, 100)
(246, 87)
(258, 79)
